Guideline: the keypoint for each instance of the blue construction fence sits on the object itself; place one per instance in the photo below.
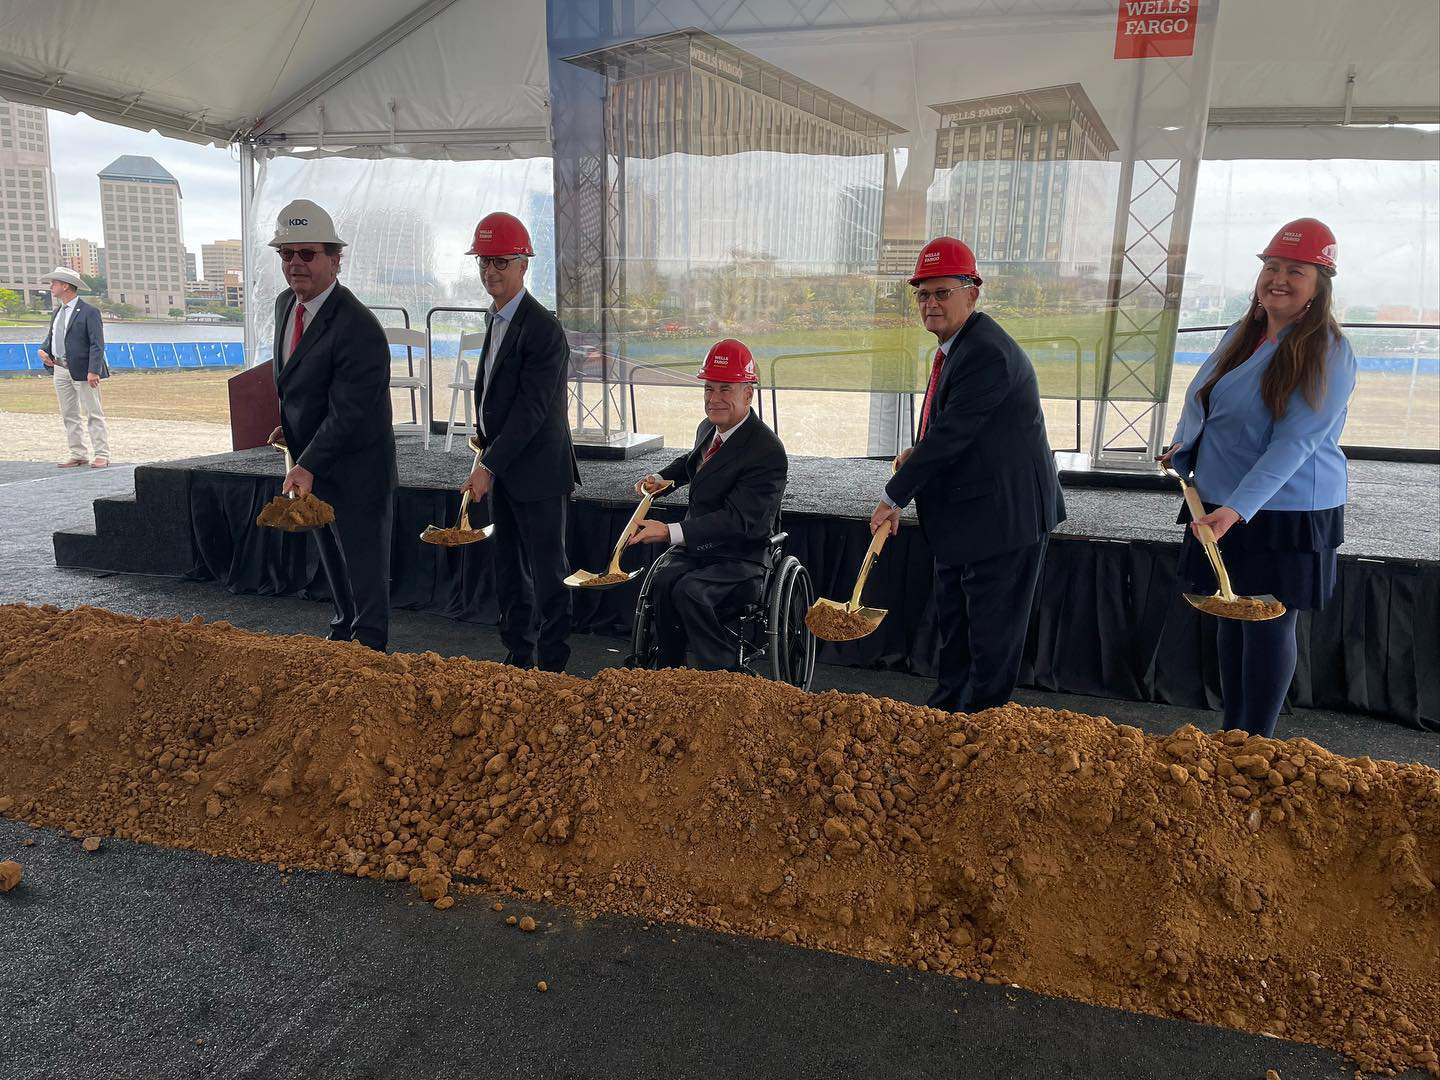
(136, 356)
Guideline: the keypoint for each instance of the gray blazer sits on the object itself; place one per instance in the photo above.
(84, 342)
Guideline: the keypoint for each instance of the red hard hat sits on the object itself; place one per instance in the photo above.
(501, 234)
(729, 361)
(945, 257)
(1304, 240)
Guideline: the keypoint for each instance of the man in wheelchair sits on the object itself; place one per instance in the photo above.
(736, 472)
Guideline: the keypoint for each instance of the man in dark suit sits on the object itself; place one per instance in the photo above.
(76, 355)
(983, 478)
(529, 468)
(332, 374)
(736, 474)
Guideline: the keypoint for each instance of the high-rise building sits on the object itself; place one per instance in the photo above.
(219, 257)
(1013, 177)
(80, 255)
(144, 236)
(190, 275)
(723, 157)
(29, 235)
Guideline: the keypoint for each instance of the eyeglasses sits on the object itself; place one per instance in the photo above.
(923, 296)
(495, 262)
(304, 254)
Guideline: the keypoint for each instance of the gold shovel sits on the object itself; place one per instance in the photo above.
(277, 514)
(831, 620)
(1224, 603)
(462, 533)
(584, 579)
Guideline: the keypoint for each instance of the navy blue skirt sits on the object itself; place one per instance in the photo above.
(1289, 554)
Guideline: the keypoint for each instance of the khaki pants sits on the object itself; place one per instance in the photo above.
(75, 395)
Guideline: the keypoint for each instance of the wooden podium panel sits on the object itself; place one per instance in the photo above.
(254, 407)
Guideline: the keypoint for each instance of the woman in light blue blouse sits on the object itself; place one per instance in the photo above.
(1261, 432)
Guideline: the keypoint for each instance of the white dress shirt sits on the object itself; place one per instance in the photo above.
(62, 323)
(677, 534)
(312, 308)
(499, 323)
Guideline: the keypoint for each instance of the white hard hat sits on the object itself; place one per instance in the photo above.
(65, 274)
(304, 222)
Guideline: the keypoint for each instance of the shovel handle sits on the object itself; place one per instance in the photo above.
(640, 511)
(1207, 540)
(871, 553)
(465, 496)
(289, 464)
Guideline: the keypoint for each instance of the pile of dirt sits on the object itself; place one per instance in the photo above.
(452, 537)
(293, 515)
(1261, 885)
(837, 624)
(1244, 608)
(605, 579)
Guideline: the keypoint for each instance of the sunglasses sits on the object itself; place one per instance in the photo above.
(495, 262)
(923, 296)
(304, 254)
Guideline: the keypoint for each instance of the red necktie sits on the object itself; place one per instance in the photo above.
(299, 329)
(710, 451)
(930, 392)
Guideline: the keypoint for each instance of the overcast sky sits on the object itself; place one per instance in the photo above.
(209, 178)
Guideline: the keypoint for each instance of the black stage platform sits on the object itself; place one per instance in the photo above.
(1108, 619)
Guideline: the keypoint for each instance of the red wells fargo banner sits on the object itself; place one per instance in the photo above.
(1155, 28)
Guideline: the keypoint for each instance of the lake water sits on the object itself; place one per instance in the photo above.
(139, 331)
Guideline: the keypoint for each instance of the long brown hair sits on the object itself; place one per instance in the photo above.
(1299, 359)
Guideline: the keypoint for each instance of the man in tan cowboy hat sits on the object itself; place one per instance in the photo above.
(75, 350)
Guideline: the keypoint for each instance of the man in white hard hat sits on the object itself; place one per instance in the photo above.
(74, 350)
(332, 374)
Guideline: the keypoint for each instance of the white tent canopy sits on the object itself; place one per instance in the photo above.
(378, 72)
(469, 77)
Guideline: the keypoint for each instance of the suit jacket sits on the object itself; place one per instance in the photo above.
(84, 342)
(983, 477)
(335, 398)
(735, 499)
(526, 434)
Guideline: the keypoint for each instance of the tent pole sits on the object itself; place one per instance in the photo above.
(247, 264)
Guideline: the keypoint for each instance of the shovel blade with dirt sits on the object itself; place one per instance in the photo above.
(831, 620)
(462, 533)
(290, 512)
(1224, 603)
(613, 575)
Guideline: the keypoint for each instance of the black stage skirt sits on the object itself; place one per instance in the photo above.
(1289, 554)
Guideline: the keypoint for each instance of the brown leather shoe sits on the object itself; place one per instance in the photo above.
(100, 463)
(74, 462)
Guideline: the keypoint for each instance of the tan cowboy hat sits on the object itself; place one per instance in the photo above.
(65, 274)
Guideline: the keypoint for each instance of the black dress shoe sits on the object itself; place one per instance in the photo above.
(518, 661)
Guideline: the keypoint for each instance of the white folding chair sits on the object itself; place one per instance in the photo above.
(462, 390)
(406, 337)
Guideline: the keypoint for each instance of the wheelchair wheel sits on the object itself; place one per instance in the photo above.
(643, 644)
(791, 644)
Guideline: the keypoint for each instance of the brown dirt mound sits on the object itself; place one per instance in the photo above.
(453, 537)
(1266, 886)
(304, 512)
(606, 579)
(1244, 608)
(832, 624)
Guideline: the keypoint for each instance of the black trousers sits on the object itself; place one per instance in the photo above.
(355, 553)
(688, 593)
(530, 570)
(982, 612)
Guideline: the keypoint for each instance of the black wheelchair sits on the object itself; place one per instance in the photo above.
(771, 638)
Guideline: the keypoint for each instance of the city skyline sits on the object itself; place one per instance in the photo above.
(1381, 215)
